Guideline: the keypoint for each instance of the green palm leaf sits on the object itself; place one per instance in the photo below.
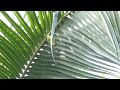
(87, 46)
(21, 41)
(84, 50)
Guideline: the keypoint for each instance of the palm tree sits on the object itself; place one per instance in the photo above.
(87, 45)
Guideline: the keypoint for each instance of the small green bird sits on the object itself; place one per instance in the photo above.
(53, 40)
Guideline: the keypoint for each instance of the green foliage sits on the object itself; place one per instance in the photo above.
(19, 45)
(87, 46)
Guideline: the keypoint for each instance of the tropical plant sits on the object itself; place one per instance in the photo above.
(87, 45)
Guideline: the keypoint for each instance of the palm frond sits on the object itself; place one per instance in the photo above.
(21, 41)
(87, 47)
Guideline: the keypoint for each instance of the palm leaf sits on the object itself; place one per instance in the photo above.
(87, 47)
(21, 41)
